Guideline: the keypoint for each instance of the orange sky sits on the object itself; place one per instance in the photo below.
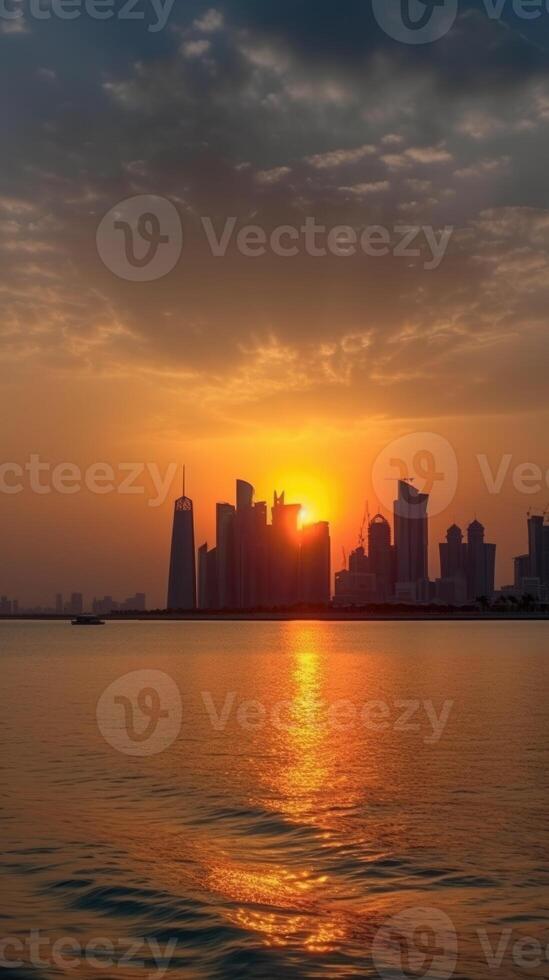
(292, 371)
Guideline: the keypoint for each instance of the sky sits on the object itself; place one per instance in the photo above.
(295, 371)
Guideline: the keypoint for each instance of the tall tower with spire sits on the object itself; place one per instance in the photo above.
(182, 576)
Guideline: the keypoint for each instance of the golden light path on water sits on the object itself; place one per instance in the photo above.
(310, 770)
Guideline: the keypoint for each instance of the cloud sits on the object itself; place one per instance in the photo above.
(338, 158)
(428, 154)
(211, 21)
(195, 49)
(363, 190)
(274, 176)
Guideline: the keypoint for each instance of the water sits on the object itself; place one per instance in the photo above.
(276, 841)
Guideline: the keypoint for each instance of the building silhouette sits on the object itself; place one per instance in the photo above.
(257, 564)
(251, 548)
(208, 589)
(522, 571)
(380, 554)
(285, 549)
(411, 541)
(182, 576)
(538, 548)
(532, 570)
(481, 563)
(451, 587)
(315, 564)
(225, 554)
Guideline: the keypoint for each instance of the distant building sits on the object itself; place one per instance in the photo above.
(134, 603)
(75, 605)
(225, 555)
(522, 571)
(285, 542)
(107, 605)
(315, 564)
(203, 576)
(538, 548)
(208, 593)
(453, 554)
(481, 563)
(451, 588)
(359, 563)
(535, 547)
(411, 534)
(182, 576)
(354, 588)
(451, 591)
(59, 604)
(104, 606)
(380, 556)
(250, 549)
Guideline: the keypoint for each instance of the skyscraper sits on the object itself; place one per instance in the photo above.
(248, 532)
(285, 552)
(453, 554)
(536, 547)
(225, 534)
(481, 563)
(379, 552)
(452, 585)
(411, 535)
(315, 564)
(182, 578)
(522, 570)
(203, 577)
(208, 592)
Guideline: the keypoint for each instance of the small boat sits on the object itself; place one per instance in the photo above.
(88, 621)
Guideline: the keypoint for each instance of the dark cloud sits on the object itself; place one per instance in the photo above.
(271, 112)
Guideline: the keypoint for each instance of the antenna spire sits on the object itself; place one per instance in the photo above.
(184, 478)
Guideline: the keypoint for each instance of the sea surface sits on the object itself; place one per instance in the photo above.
(265, 800)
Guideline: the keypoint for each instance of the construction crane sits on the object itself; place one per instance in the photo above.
(365, 521)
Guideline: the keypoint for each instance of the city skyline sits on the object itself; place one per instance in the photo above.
(257, 565)
(431, 552)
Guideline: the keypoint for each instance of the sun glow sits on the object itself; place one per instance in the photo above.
(312, 492)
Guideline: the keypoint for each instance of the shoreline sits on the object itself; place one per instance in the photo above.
(341, 616)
